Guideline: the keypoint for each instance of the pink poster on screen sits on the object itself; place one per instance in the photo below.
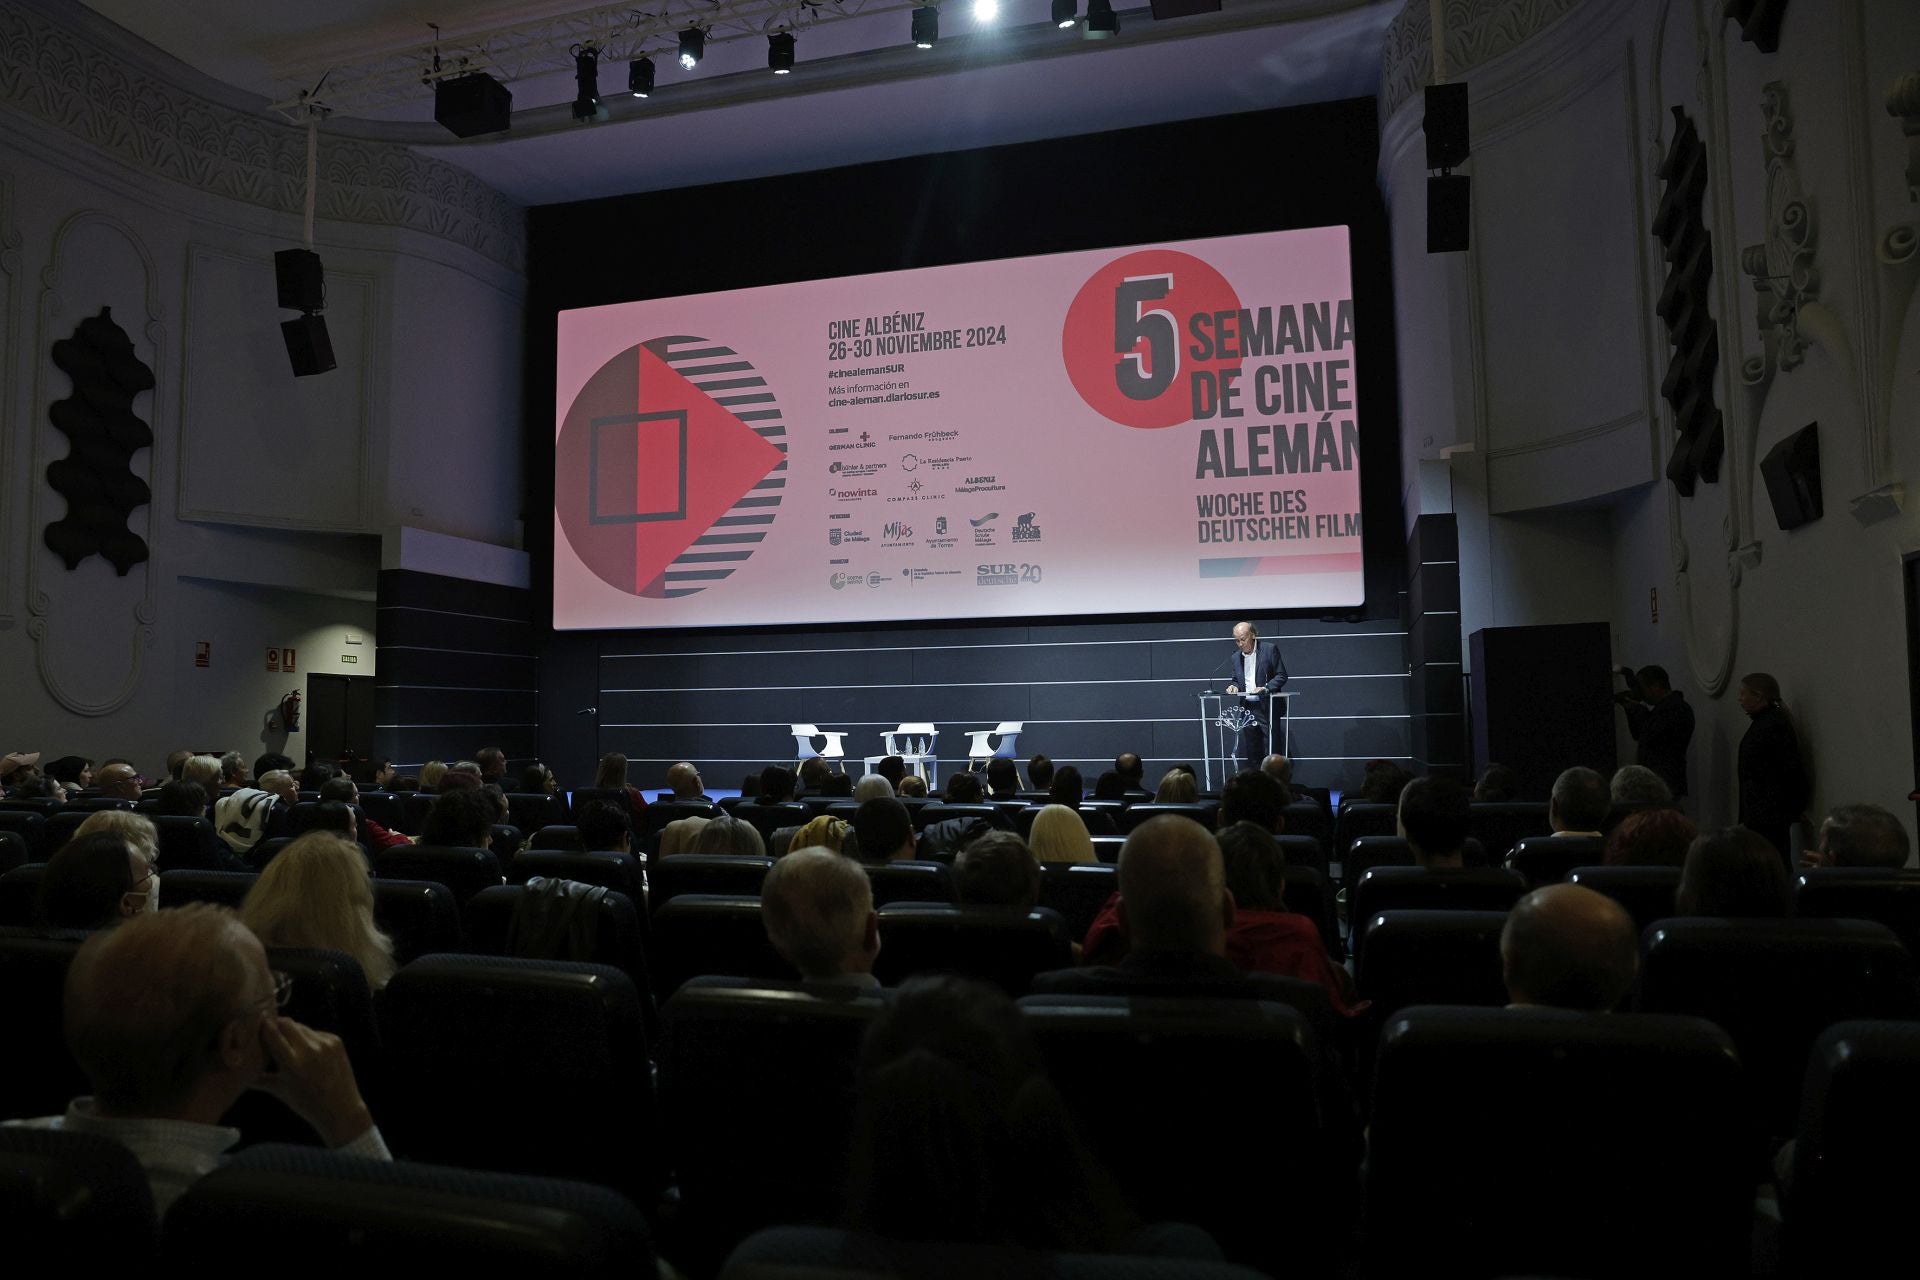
(1167, 428)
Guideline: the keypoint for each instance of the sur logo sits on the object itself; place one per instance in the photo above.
(670, 464)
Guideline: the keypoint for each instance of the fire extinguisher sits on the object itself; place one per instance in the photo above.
(290, 712)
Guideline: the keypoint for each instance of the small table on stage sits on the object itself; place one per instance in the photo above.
(1218, 741)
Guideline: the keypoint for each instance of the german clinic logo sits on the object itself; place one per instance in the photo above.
(651, 457)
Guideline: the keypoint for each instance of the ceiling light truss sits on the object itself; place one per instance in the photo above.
(524, 50)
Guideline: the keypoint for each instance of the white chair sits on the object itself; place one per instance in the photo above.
(913, 743)
(982, 748)
(803, 736)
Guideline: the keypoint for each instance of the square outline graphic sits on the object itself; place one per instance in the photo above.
(593, 469)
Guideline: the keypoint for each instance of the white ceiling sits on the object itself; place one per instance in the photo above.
(859, 91)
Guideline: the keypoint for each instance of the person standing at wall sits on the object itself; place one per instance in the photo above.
(1773, 781)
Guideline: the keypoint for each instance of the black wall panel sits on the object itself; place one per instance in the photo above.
(458, 669)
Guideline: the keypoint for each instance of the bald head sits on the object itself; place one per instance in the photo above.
(872, 787)
(1173, 888)
(149, 1004)
(1569, 947)
(120, 781)
(685, 781)
(818, 909)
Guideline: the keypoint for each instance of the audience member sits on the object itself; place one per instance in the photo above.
(913, 787)
(1661, 723)
(839, 786)
(603, 826)
(317, 893)
(1498, 785)
(960, 1137)
(963, 788)
(1257, 797)
(73, 773)
(1108, 786)
(31, 784)
(493, 764)
(172, 1016)
(1635, 784)
(684, 779)
(997, 870)
(204, 770)
(872, 787)
(823, 832)
(727, 834)
(376, 774)
(462, 775)
(1058, 835)
(344, 790)
(1579, 804)
(1040, 773)
(430, 775)
(234, 773)
(460, 819)
(612, 776)
(776, 785)
(1570, 948)
(1132, 770)
(1382, 783)
(1654, 838)
(268, 761)
(175, 758)
(14, 761)
(182, 799)
(253, 815)
(1066, 787)
(1280, 769)
(1773, 780)
(679, 835)
(119, 781)
(336, 817)
(538, 780)
(97, 880)
(1265, 937)
(892, 768)
(135, 829)
(813, 776)
(883, 832)
(1859, 835)
(1176, 788)
(818, 911)
(1432, 818)
(750, 786)
(1734, 872)
(1003, 779)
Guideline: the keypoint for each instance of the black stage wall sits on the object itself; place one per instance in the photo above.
(1086, 688)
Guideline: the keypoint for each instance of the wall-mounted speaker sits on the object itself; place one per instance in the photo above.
(302, 284)
(1792, 472)
(1445, 125)
(1449, 212)
(308, 347)
(473, 104)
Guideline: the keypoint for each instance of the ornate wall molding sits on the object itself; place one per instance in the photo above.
(41, 604)
(1785, 277)
(10, 325)
(125, 111)
(1477, 30)
(1903, 104)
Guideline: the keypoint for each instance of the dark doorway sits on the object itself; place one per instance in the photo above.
(1910, 579)
(339, 717)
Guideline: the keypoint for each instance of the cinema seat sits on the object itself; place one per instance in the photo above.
(1646, 892)
(41, 1075)
(1850, 1201)
(1203, 813)
(1359, 819)
(999, 945)
(567, 1039)
(556, 838)
(617, 937)
(1367, 852)
(14, 851)
(1303, 851)
(910, 881)
(1431, 957)
(187, 843)
(1578, 1144)
(696, 934)
(74, 1195)
(1863, 893)
(825, 1253)
(222, 888)
(1545, 860)
(1501, 825)
(60, 827)
(1309, 893)
(464, 871)
(1307, 819)
(1419, 889)
(20, 894)
(30, 825)
(620, 872)
(530, 810)
(338, 1215)
(420, 916)
(708, 873)
(1077, 890)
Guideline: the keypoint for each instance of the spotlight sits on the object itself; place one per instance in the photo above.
(640, 77)
(1102, 21)
(986, 10)
(1065, 13)
(780, 52)
(693, 43)
(586, 76)
(926, 27)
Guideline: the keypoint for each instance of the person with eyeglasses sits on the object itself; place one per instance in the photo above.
(195, 976)
(100, 877)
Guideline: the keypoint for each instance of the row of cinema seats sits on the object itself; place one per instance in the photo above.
(1553, 1123)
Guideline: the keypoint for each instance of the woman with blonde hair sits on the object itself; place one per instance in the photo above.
(318, 893)
(1060, 836)
(822, 833)
(135, 830)
(430, 774)
(1176, 787)
(678, 836)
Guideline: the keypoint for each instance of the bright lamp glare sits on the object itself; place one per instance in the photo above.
(986, 10)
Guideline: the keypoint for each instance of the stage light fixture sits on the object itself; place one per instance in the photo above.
(1102, 21)
(926, 27)
(986, 10)
(640, 77)
(586, 78)
(780, 52)
(1065, 13)
(693, 43)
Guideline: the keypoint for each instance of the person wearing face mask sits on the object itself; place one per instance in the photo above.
(97, 880)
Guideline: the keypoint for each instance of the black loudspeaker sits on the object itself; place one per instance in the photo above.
(1446, 125)
(302, 284)
(1542, 701)
(1792, 472)
(473, 104)
(308, 347)
(1449, 212)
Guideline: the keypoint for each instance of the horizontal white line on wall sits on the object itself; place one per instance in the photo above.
(965, 684)
(456, 688)
(850, 725)
(489, 724)
(1102, 762)
(1000, 644)
(450, 613)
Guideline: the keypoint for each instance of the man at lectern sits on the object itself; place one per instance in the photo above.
(1257, 672)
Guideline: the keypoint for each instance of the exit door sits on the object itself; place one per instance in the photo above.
(339, 717)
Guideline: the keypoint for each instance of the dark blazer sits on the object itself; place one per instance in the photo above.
(1663, 729)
